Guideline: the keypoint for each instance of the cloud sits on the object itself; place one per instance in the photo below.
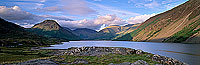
(33, 0)
(16, 15)
(109, 20)
(152, 4)
(155, 5)
(26, 5)
(139, 19)
(104, 10)
(77, 7)
(72, 7)
(97, 0)
(66, 18)
(49, 9)
(94, 23)
(104, 21)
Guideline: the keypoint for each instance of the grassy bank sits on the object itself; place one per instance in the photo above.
(106, 59)
(13, 55)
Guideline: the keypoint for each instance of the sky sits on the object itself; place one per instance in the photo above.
(92, 14)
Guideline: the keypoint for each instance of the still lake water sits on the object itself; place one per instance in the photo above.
(189, 53)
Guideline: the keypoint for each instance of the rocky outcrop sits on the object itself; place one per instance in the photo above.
(139, 62)
(98, 51)
(166, 60)
(37, 62)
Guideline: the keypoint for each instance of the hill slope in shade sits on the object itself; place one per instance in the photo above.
(84, 33)
(12, 35)
(51, 29)
(180, 24)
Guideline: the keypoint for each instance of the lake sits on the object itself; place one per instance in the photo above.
(189, 53)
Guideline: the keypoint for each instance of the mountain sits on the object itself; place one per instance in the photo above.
(89, 34)
(179, 25)
(13, 35)
(107, 33)
(51, 29)
(48, 25)
(66, 28)
(111, 32)
(111, 29)
(127, 29)
(85, 33)
(117, 31)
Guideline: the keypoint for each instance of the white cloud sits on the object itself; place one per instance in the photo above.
(42, 0)
(139, 19)
(28, 25)
(109, 20)
(94, 23)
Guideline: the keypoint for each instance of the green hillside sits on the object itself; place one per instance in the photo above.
(15, 35)
(179, 25)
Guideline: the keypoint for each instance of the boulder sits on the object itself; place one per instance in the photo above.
(124, 63)
(139, 52)
(140, 62)
(80, 61)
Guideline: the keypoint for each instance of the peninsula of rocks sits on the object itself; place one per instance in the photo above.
(101, 55)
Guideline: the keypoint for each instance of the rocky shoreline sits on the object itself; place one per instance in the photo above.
(103, 51)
